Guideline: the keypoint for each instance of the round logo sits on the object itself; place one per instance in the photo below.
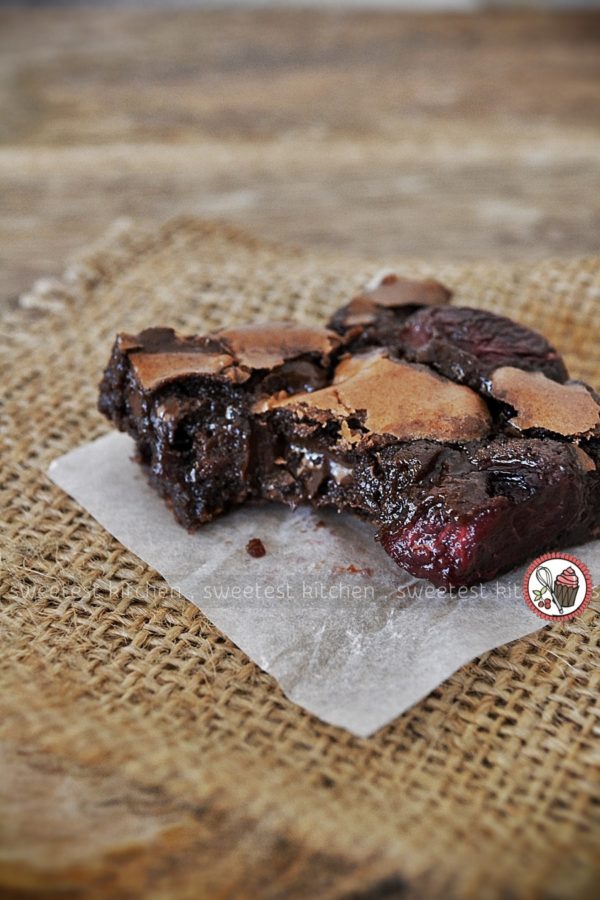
(557, 586)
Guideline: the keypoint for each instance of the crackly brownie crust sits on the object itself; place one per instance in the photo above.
(455, 432)
(462, 343)
(186, 401)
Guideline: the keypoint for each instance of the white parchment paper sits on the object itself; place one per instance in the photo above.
(347, 634)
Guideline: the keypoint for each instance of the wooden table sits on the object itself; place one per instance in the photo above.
(439, 136)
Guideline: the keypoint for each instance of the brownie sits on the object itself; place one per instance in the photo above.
(411, 318)
(187, 402)
(456, 433)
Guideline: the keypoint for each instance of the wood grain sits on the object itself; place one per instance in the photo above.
(445, 137)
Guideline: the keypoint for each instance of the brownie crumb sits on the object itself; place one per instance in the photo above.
(320, 524)
(256, 548)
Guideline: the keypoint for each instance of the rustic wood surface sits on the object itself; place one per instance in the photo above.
(442, 136)
(439, 136)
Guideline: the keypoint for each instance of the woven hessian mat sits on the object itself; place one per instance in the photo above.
(214, 784)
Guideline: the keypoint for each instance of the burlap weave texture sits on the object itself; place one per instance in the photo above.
(487, 788)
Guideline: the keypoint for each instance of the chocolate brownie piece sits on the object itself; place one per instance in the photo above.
(457, 491)
(461, 477)
(375, 317)
(186, 401)
(467, 345)
(511, 501)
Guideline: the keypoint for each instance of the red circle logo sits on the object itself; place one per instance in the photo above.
(557, 586)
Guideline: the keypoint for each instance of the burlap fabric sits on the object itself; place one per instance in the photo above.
(198, 777)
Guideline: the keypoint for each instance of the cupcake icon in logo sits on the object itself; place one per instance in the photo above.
(566, 586)
(557, 586)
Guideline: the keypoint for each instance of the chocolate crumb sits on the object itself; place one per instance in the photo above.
(320, 524)
(255, 548)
